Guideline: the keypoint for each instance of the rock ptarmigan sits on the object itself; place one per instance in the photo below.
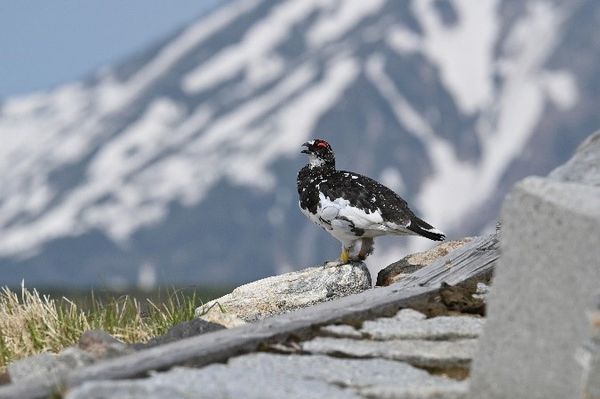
(352, 207)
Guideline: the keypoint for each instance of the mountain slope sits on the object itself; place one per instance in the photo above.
(183, 159)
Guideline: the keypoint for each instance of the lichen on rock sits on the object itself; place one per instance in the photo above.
(280, 294)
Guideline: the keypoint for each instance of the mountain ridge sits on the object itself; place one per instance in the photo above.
(194, 144)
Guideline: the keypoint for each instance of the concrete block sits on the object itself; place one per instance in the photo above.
(548, 274)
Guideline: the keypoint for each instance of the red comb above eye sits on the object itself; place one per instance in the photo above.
(323, 144)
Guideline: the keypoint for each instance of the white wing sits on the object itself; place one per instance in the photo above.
(340, 213)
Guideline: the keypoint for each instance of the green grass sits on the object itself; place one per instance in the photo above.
(31, 322)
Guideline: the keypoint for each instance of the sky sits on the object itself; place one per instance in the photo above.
(44, 43)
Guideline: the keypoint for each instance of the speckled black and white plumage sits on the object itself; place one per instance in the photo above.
(352, 207)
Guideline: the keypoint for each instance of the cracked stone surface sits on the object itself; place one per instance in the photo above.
(279, 376)
(422, 353)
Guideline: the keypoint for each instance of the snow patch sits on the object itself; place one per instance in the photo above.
(402, 40)
(503, 131)
(451, 177)
(392, 178)
(463, 52)
(331, 26)
(125, 208)
(134, 177)
(561, 88)
(253, 52)
(294, 123)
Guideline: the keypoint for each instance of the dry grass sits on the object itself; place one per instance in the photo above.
(31, 323)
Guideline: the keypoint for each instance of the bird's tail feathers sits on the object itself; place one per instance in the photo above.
(424, 229)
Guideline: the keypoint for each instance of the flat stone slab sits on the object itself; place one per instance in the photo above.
(438, 328)
(268, 376)
(421, 353)
(286, 292)
(410, 324)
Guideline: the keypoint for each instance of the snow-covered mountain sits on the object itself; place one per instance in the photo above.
(183, 159)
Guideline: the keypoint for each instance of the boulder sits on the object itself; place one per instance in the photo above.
(286, 292)
(413, 262)
(47, 366)
(548, 273)
(102, 345)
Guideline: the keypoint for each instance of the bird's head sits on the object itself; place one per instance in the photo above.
(319, 153)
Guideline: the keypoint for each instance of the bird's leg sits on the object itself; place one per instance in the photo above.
(346, 255)
(366, 248)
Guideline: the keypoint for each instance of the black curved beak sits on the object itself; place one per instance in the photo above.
(306, 151)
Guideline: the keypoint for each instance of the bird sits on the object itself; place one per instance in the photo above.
(352, 207)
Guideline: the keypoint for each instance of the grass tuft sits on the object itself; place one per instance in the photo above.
(31, 323)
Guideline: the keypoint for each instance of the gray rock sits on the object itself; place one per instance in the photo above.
(548, 273)
(286, 292)
(351, 373)
(49, 366)
(465, 266)
(183, 330)
(584, 166)
(102, 345)
(437, 328)
(268, 376)
(421, 353)
(413, 262)
(33, 366)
